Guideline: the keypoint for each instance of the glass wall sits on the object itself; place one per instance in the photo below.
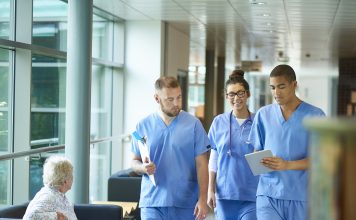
(196, 91)
(5, 12)
(102, 46)
(100, 127)
(5, 123)
(48, 93)
(5, 88)
(47, 96)
(49, 27)
(48, 82)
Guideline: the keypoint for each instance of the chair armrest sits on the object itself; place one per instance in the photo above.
(14, 211)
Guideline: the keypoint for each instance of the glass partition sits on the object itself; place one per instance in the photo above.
(102, 38)
(48, 82)
(196, 91)
(5, 12)
(5, 123)
(49, 27)
(100, 127)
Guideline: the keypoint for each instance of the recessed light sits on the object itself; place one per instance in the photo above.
(264, 15)
(258, 3)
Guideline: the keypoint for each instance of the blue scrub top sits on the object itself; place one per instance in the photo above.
(288, 140)
(234, 179)
(172, 149)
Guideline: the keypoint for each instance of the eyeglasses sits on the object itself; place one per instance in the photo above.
(239, 94)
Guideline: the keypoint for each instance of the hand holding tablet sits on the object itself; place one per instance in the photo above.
(254, 161)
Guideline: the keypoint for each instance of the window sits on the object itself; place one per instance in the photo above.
(48, 82)
(50, 24)
(5, 11)
(48, 91)
(101, 104)
(102, 38)
(196, 90)
(5, 123)
(42, 73)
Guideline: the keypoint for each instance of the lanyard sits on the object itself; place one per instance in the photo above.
(248, 121)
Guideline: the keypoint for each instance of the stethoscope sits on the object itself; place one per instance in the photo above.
(247, 122)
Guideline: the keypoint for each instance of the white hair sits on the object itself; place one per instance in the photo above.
(56, 170)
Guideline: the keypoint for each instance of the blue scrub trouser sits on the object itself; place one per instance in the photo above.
(278, 209)
(167, 213)
(235, 210)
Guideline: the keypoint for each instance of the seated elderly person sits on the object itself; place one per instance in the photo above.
(50, 202)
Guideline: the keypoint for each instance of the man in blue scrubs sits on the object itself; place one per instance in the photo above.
(282, 194)
(178, 150)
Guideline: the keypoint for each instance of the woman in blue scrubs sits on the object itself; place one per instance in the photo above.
(232, 186)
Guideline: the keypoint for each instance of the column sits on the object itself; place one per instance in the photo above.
(80, 17)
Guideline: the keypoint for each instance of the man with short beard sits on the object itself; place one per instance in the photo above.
(178, 150)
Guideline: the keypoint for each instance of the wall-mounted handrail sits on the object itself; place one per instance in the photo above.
(12, 156)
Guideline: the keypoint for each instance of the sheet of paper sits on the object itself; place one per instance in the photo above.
(254, 161)
(127, 207)
(144, 151)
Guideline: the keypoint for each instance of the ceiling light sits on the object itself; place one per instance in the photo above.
(269, 31)
(264, 15)
(254, 2)
(258, 3)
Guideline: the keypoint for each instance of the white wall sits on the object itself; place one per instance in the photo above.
(316, 90)
(315, 84)
(143, 65)
(177, 51)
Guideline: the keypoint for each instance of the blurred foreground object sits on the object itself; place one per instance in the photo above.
(332, 168)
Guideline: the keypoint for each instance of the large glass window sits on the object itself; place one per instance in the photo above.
(48, 93)
(48, 81)
(50, 24)
(101, 105)
(4, 99)
(102, 38)
(5, 123)
(196, 90)
(5, 11)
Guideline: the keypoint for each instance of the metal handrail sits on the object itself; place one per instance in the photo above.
(11, 156)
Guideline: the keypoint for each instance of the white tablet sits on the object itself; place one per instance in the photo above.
(254, 161)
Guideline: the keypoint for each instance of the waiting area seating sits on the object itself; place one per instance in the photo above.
(125, 186)
(82, 211)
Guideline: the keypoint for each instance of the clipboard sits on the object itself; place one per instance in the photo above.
(144, 151)
(254, 161)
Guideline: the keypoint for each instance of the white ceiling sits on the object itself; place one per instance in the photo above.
(278, 30)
